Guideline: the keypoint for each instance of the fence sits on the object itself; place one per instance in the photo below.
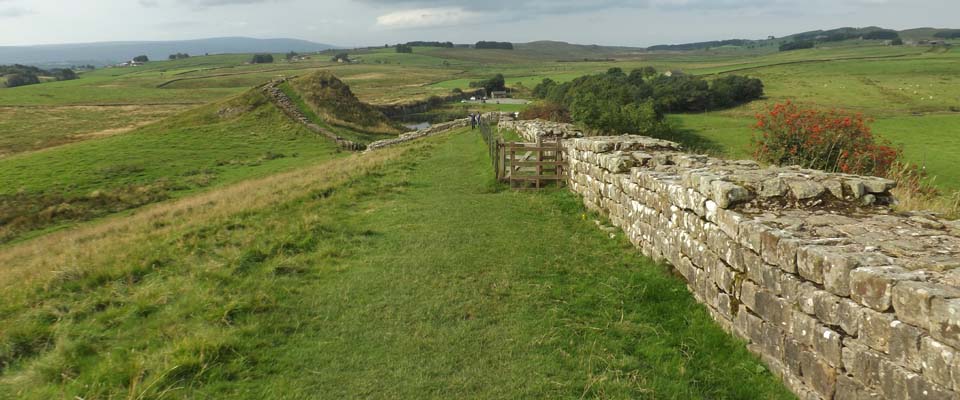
(525, 165)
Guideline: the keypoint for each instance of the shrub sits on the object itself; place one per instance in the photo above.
(21, 79)
(833, 141)
(547, 110)
(262, 59)
(402, 48)
(495, 84)
(797, 45)
(141, 58)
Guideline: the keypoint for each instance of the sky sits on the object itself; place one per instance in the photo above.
(375, 22)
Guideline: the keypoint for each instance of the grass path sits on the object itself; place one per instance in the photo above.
(416, 279)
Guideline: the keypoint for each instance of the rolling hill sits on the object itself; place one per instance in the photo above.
(113, 52)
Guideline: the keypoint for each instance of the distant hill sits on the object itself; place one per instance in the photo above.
(568, 51)
(114, 52)
(830, 35)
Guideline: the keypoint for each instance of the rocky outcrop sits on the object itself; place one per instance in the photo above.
(282, 101)
(839, 295)
(420, 134)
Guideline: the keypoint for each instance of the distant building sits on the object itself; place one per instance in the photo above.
(674, 72)
(499, 94)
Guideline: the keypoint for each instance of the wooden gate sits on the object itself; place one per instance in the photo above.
(526, 165)
(532, 165)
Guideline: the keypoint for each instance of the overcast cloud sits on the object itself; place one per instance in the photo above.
(369, 22)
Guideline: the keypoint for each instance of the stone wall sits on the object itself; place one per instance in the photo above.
(839, 295)
(282, 101)
(426, 132)
(530, 130)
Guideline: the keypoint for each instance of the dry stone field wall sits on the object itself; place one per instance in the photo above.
(426, 132)
(839, 295)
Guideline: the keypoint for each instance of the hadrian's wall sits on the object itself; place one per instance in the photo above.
(426, 132)
(840, 296)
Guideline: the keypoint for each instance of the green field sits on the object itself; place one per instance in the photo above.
(394, 275)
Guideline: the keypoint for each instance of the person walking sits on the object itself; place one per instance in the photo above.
(473, 121)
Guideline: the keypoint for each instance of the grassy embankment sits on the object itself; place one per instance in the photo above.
(213, 145)
(401, 273)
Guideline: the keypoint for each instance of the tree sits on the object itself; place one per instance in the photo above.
(21, 79)
(542, 90)
(494, 45)
(495, 84)
(402, 48)
(896, 42)
(341, 57)
(732, 90)
(63, 74)
(797, 45)
(291, 55)
(262, 59)
(141, 59)
(178, 56)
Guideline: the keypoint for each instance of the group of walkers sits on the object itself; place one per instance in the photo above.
(474, 120)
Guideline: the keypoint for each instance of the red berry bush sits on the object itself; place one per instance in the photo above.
(834, 141)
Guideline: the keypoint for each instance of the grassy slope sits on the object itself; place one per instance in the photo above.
(396, 274)
(20, 130)
(192, 151)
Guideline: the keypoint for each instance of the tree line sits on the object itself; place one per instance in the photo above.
(493, 45)
(808, 40)
(22, 75)
(430, 44)
(636, 102)
(951, 34)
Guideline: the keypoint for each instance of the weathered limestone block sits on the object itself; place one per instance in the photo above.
(773, 309)
(803, 189)
(826, 307)
(875, 330)
(803, 328)
(904, 346)
(893, 381)
(818, 375)
(912, 301)
(827, 344)
(850, 314)
(849, 389)
(810, 261)
(873, 286)
(937, 361)
(787, 249)
(945, 321)
(862, 363)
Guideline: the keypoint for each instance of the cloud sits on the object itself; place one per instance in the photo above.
(13, 12)
(150, 3)
(428, 17)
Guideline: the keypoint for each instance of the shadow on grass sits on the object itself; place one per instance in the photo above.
(692, 141)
